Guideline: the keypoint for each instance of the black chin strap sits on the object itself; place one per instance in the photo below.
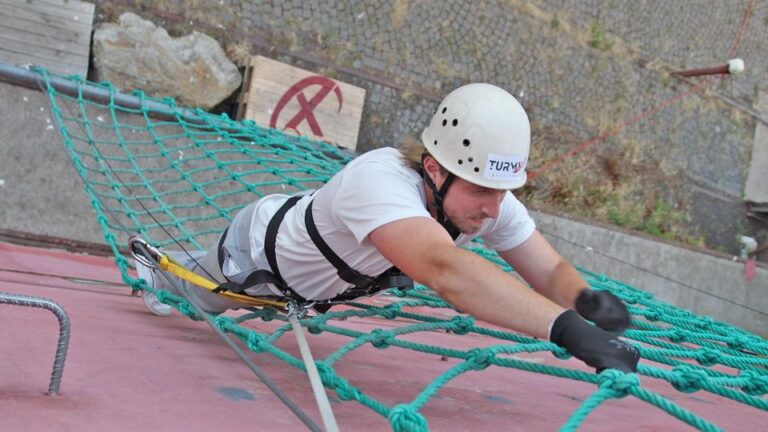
(439, 195)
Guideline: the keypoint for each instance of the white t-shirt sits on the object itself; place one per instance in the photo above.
(372, 190)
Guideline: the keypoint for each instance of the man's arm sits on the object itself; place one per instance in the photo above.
(555, 278)
(546, 270)
(422, 249)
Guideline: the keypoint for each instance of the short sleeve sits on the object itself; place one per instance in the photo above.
(373, 194)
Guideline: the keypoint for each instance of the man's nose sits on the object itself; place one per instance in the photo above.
(492, 204)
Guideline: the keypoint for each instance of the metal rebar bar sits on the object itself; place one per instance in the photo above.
(64, 330)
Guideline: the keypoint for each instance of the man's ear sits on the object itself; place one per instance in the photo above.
(433, 169)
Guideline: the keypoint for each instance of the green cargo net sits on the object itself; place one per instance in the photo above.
(193, 171)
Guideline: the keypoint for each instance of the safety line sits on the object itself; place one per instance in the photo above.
(192, 297)
(329, 420)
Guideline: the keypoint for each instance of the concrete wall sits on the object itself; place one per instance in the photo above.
(42, 194)
(704, 283)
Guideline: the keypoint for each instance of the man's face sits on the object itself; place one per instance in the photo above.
(468, 205)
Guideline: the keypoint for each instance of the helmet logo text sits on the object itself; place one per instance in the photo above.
(504, 167)
(515, 167)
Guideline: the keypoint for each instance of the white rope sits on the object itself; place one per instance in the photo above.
(191, 296)
(314, 377)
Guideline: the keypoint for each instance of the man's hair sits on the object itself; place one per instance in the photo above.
(412, 152)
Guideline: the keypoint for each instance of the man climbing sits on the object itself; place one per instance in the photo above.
(413, 209)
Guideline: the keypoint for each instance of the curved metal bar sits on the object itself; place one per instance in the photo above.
(64, 330)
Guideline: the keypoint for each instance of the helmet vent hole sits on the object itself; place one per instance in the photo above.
(445, 122)
(435, 142)
(455, 122)
(445, 109)
(461, 161)
(469, 159)
(466, 142)
(477, 169)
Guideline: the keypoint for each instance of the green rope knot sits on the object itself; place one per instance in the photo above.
(163, 295)
(688, 379)
(255, 342)
(631, 298)
(480, 358)
(138, 284)
(184, 307)
(390, 312)
(313, 326)
(705, 323)
(677, 335)
(739, 342)
(344, 390)
(618, 382)
(397, 292)
(222, 323)
(756, 384)
(652, 315)
(461, 325)
(381, 338)
(707, 357)
(327, 374)
(404, 418)
(268, 314)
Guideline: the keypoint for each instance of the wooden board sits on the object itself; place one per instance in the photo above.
(300, 102)
(55, 34)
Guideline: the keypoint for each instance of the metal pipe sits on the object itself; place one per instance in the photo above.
(64, 330)
(733, 66)
(35, 80)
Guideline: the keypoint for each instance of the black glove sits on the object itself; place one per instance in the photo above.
(593, 346)
(603, 309)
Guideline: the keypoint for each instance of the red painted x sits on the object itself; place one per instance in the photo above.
(306, 108)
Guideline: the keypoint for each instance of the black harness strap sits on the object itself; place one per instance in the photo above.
(262, 276)
(345, 272)
(439, 196)
(363, 284)
(271, 237)
(256, 278)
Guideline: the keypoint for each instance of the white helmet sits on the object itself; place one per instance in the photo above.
(481, 134)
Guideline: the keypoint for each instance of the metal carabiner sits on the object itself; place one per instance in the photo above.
(140, 248)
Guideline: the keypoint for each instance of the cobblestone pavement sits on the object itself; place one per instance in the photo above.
(661, 162)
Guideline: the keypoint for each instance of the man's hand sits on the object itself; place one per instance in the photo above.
(593, 346)
(604, 309)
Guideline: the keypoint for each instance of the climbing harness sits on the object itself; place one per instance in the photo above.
(362, 285)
